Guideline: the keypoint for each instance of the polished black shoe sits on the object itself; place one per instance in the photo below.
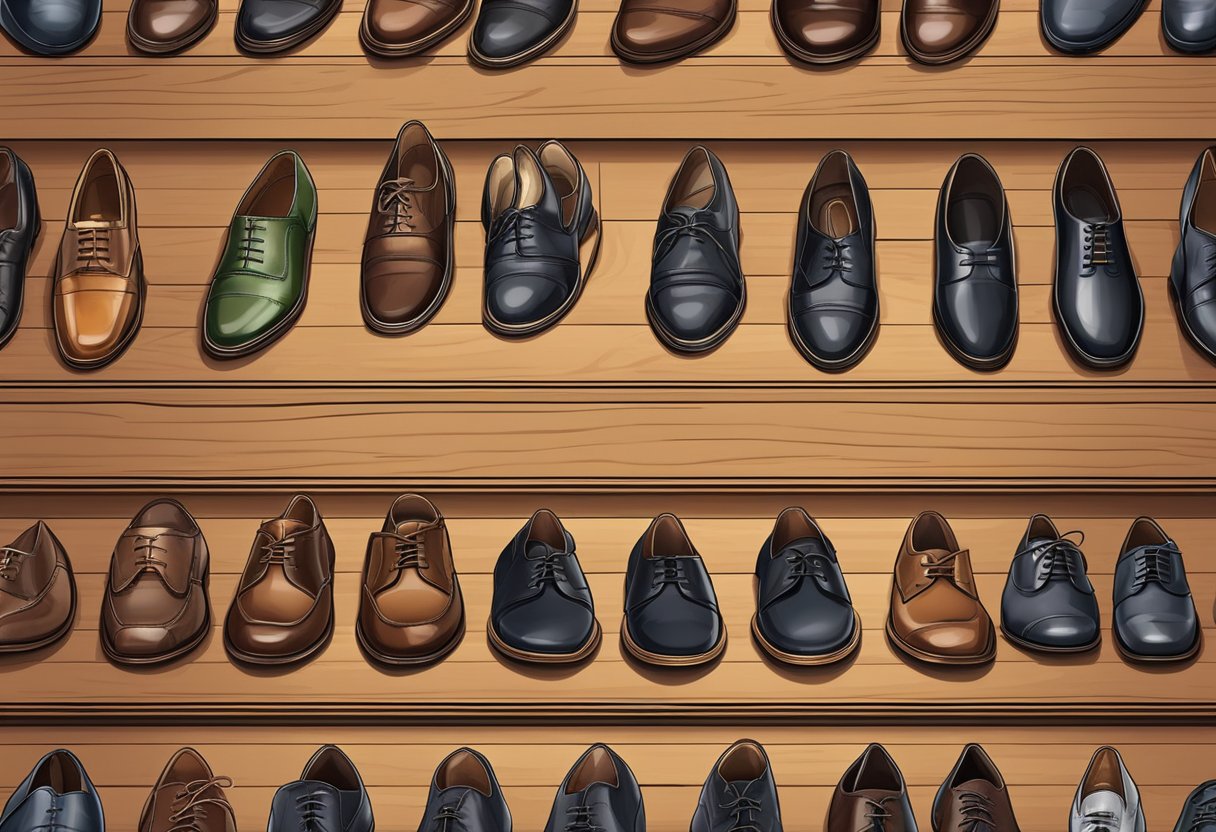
(465, 795)
(329, 795)
(975, 287)
(1155, 617)
(1193, 272)
(671, 611)
(1049, 603)
(833, 300)
(739, 794)
(1079, 27)
(20, 224)
(1189, 26)
(57, 796)
(542, 609)
(1199, 810)
(265, 27)
(512, 32)
(697, 293)
(804, 614)
(1097, 297)
(50, 27)
(600, 793)
(542, 238)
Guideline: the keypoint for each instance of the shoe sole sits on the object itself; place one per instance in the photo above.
(660, 660)
(528, 54)
(288, 43)
(958, 53)
(388, 50)
(592, 644)
(675, 54)
(128, 336)
(163, 658)
(1043, 648)
(933, 658)
(809, 661)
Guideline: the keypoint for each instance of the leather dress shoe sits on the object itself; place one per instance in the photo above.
(188, 796)
(542, 609)
(1189, 26)
(408, 260)
(98, 296)
(398, 28)
(260, 284)
(1193, 271)
(411, 610)
(975, 289)
(1155, 618)
(826, 31)
(329, 795)
(804, 614)
(739, 793)
(1079, 27)
(465, 795)
(155, 606)
(671, 611)
(697, 293)
(161, 27)
(50, 27)
(512, 32)
(1048, 603)
(938, 32)
(1097, 297)
(600, 792)
(936, 614)
(283, 611)
(1199, 810)
(646, 32)
(833, 299)
(973, 796)
(871, 795)
(542, 239)
(58, 788)
(20, 224)
(37, 591)
(1107, 797)
(264, 27)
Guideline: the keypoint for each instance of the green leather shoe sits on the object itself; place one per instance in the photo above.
(261, 283)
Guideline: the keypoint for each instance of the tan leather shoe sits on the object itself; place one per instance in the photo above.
(826, 31)
(98, 298)
(936, 615)
(161, 27)
(941, 31)
(187, 796)
(397, 28)
(37, 591)
(410, 610)
(650, 31)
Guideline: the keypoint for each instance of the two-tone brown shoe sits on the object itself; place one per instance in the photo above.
(37, 591)
(187, 797)
(410, 609)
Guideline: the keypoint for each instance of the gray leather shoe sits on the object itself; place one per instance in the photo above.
(1189, 25)
(1155, 617)
(1079, 27)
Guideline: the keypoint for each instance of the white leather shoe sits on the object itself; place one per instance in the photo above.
(1107, 799)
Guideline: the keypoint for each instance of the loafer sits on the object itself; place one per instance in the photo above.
(60, 788)
(399, 28)
(37, 591)
(465, 795)
(1155, 618)
(739, 793)
(871, 795)
(826, 32)
(512, 32)
(50, 27)
(1193, 270)
(1079, 27)
(1189, 26)
(600, 792)
(936, 32)
(973, 796)
(162, 27)
(1107, 797)
(20, 224)
(1199, 810)
(188, 793)
(265, 27)
(646, 32)
(329, 795)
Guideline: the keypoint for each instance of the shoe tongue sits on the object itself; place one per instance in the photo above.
(410, 526)
(281, 528)
(935, 554)
(538, 549)
(685, 211)
(877, 795)
(982, 787)
(807, 546)
(1103, 801)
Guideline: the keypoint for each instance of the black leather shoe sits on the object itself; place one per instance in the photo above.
(264, 27)
(542, 609)
(975, 288)
(1155, 617)
(600, 793)
(697, 293)
(57, 795)
(833, 299)
(542, 238)
(20, 224)
(1049, 603)
(1079, 27)
(50, 27)
(512, 32)
(465, 795)
(739, 793)
(329, 795)
(1097, 297)
(1189, 26)
(671, 611)
(804, 614)
(1199, 810)
(1193, 272)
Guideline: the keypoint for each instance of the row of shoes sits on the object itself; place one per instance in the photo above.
(411, 611)
(600, 792)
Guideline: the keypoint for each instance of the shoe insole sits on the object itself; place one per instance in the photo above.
(1203, 214)
(99, 199)
(832, 210)
(837, 219)
(418, 165)
(973, 219)
(1085, 203)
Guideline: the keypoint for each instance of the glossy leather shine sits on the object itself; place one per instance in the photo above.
(465, 795)
(739, 793)
(50, 27)
(57, 796)
(1193, 270)
(20, 223)
(329, 795)
(1155, 618)
(600, 793)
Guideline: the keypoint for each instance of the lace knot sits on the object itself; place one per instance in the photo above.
(395, 201)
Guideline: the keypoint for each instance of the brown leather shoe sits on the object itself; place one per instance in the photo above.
(407, 254)
(397, 28)
(160, 27)
(871, 795)
(283, 611)
(37, 591)
(827, 31)
(410, 610)
(156, 607)
(98, 299)
(936, 614)
(941, 31)
(650, 31)
(973, 797)
(187, 796)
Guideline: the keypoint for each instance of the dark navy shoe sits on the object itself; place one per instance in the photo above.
(50, 27)
(600, 794)
(739, 793)
(329, 795)
(1193, 271)
(1155, 618)
(20, 223)
(1199, 810)
(57, 796)
(465, 796)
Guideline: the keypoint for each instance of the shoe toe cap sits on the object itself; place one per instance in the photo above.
(1157, 633)
(547, 626)
(950, 639)
(235, 320)
(1061, 631)
(523, 299)
(833, 336)
(695, 312)
(504, 32)
(651, 32)
(271, 20)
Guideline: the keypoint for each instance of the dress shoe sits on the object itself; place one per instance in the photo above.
(542, 609)
(187, 797)
(57, 788)
(512, 32)
(20, 224)
(283, 611)
(411, 610)
(938, 32)
(739, 793)
(1189, 26)
(399, 28)
(1193, 271)
(1097, 297)
(804, 614)
(833, 300)
(260, 284)
(37, 591)
(671, 611)
(599, 793)
(697, 293)
(646, 32)
(826, 31)
(1199, 810)
(1079, 27)
(329, 795)
(156, 607)
(161, 27)
(408, 260)
(871, 795)
(465, 795)
(1155, 618)
(265, 27)
(98, 296)
(1107, 798)
(973, 797)
(975, 289)
(936, 614)
(50, 27)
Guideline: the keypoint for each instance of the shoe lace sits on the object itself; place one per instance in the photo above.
(1206, 815)
(669, 571)
(976, 811)
(943, 567)
(1100, 822)
(1061, 557)
(1154, 564)
(10, 562)
(92, 244)
(396, 202)
(146, 544)
(281, 552)
(447, 816)
(693, 227)
(582, 819)
(515, 222)
(805, 565)
(547, 568)
(1096, 249)
(309, 805)
(743, 810)
(838, 257)
(876, 814)
(250, 246)
(410, 549)
(988, 257)
(193, 810)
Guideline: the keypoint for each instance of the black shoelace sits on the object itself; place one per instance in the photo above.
(250, 246)
(1061, 558)
(582, 819)
(447, 817)
(1153, 564)
(309, 805)
(876, 815)
(1205, 816)
(838, 257)
(805, 565)
(694, 228)
(744, 810)
(669, 571)
(514, 223)
(548, 568)
(1096, 249)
